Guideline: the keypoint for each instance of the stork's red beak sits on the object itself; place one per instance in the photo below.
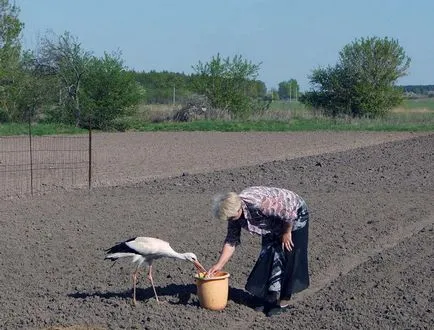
(199, 267)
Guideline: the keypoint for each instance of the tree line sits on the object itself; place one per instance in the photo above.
(173, 87)
(62, 82)
(419, 90)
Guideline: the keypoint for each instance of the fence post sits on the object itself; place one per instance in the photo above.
(30, 152)
(90, 153)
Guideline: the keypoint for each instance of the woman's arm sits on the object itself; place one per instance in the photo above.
(225, 255)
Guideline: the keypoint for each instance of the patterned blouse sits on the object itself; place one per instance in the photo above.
(265, 211)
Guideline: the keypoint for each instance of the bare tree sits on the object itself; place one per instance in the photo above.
(64, 57)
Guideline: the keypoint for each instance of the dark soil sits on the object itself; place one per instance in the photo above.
(371, 247)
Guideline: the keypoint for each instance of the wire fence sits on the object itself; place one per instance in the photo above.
(37, 164)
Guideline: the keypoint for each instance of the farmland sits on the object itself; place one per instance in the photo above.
(371, 234)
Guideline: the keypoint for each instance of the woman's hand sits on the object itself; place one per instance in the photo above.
(214, 269)
(287, 241)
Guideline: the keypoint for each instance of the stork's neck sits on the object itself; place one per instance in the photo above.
(174, 254)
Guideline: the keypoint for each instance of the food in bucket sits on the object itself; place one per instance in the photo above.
(203, 275)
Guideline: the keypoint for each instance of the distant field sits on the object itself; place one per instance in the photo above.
(413, 115)
(426, 104)
(280, 109)
(419, 105)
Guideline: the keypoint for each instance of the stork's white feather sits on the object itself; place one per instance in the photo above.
(148, 246)
(146, 249)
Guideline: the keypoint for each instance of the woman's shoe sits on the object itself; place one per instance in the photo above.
(276, 310)
(258, 304)
(260, 308)
(284, 302)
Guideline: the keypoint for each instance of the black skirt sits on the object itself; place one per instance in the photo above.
(285, 272)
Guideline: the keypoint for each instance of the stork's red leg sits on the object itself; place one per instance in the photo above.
(134, 286)
(152, 282)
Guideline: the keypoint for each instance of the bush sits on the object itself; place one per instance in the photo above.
(199, 107)
(227, 83)
(362, 84)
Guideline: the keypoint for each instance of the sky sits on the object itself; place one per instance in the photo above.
(289, 38)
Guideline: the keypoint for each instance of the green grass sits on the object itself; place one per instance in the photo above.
(425, 103)
(302, 122)
(297, 124)
(285, 105)
(38, 129)
(414, 116)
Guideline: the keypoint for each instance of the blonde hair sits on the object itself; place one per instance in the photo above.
(226, 205)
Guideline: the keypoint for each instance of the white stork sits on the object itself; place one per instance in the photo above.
(147, 249)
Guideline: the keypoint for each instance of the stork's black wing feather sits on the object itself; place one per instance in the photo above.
(121, 247)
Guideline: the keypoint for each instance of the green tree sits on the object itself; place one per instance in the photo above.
(109, 89)
(165, 87)
(226, 82)
(363, 82)
(289, 90)
(10, 48)
(256, 89)
(10, 30)
(31, 89)
(332, 91)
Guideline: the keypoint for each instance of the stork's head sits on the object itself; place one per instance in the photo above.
(192, 257)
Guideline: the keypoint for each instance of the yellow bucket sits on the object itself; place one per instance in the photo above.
(213, 292)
